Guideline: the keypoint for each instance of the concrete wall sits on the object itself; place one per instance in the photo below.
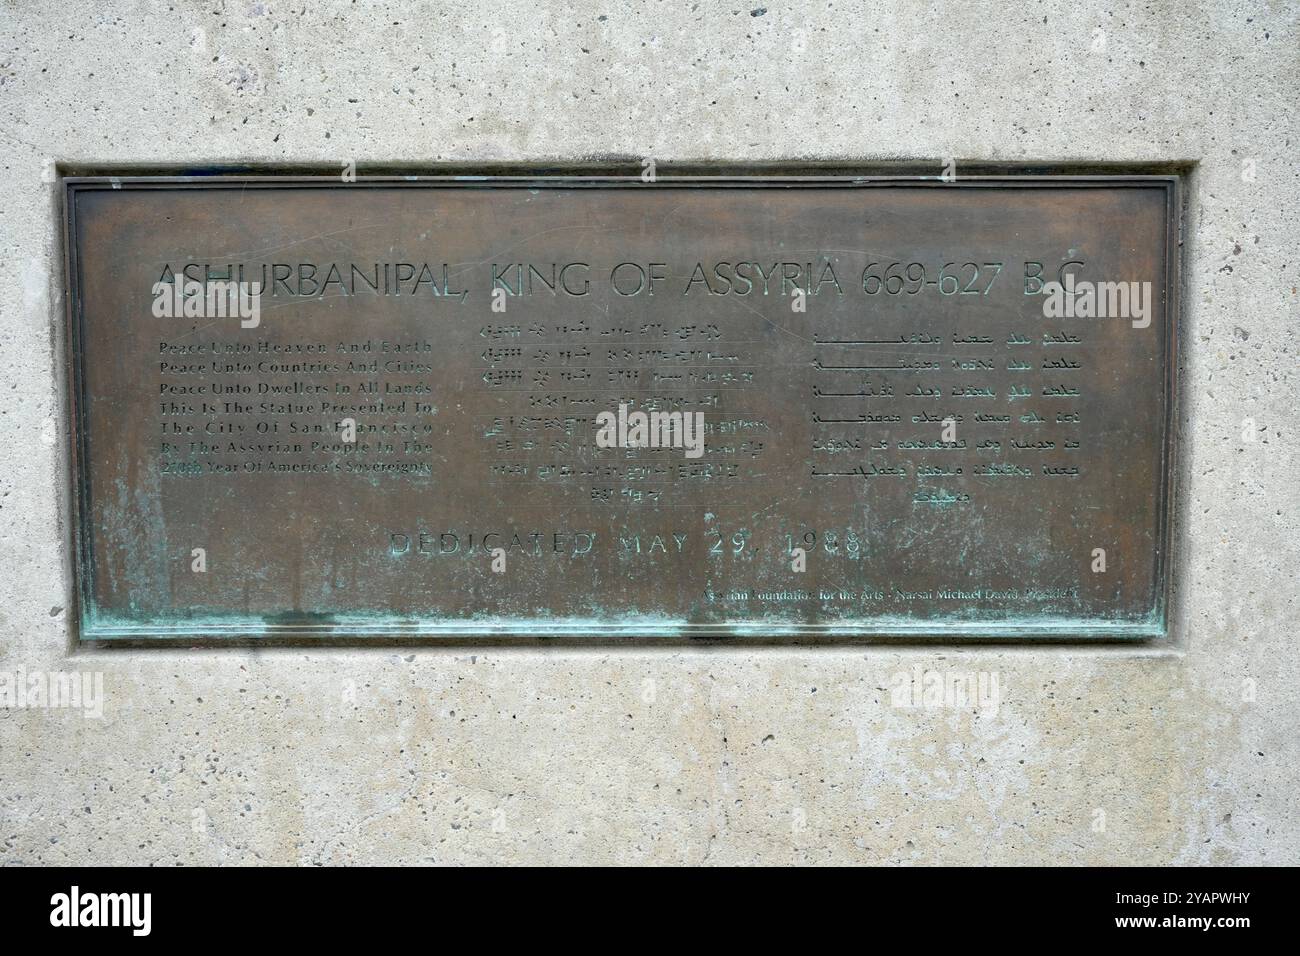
(720, 755)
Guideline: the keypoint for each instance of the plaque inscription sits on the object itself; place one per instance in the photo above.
(772, 409)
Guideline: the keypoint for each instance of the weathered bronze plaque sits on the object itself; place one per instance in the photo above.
(814, 409)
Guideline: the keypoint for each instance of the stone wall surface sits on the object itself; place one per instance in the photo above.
(1184, 752)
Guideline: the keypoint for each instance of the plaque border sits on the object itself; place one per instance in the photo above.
(344, 633)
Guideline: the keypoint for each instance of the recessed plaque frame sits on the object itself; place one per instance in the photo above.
(797, 386)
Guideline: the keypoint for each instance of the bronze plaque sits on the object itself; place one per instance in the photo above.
(809, 409)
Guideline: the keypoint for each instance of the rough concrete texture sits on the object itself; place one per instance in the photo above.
(1106, 755)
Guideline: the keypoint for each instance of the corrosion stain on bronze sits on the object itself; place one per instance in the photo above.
(812, 409)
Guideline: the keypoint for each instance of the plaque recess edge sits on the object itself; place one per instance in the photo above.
(928, 632)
